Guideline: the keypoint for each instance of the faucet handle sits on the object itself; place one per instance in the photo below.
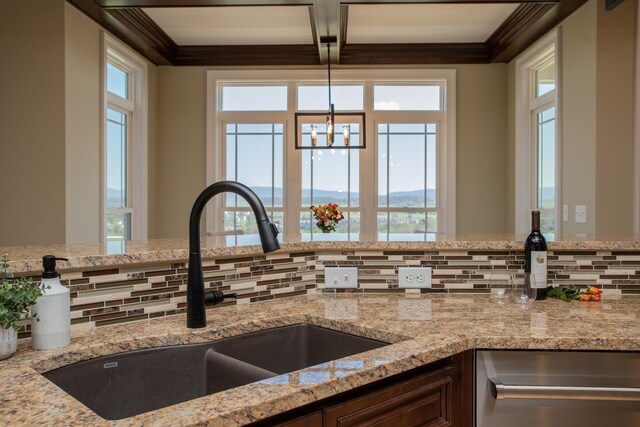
(216, 297)
(274, 229)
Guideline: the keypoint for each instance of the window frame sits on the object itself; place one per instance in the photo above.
(292, 158)
(220, 232)
(419, 117)
(527, 106)
(135, 107)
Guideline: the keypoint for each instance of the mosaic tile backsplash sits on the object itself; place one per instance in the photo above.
(108, 296)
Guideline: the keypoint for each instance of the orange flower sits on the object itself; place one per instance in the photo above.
(593, 290)
(585, 297)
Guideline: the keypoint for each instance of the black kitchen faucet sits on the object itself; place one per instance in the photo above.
(197, 298)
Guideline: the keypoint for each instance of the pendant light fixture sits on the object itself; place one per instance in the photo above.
(330, 118)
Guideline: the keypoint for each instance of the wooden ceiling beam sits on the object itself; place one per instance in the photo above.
(108, 4)
(526, 25)
(224, 3)
(132, 37)
(414, 53)
(244, 55)
(145, 28)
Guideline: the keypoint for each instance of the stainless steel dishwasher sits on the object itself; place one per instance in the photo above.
(557, 388)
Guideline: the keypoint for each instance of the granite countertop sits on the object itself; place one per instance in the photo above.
(29, 258)
(422, 327)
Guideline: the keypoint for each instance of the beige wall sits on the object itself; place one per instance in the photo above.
(481, 145)
(597, 96)
(578, 116)
(481, 149)
(32, 122)
(181, 148)
(50, 129)
(152, 83)
(615, 118)
(83, 59)
(50, 126)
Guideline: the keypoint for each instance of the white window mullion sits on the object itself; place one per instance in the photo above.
(292, 175)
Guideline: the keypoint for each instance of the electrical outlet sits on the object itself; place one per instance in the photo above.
(414, 277)
(581, 214)
(341, 277)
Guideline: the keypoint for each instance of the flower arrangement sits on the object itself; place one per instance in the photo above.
(327, 216)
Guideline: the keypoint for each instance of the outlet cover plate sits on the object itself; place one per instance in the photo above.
(581, 214)
(341, 277)
(414, 277)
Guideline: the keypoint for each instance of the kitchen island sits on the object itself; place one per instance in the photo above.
(134, 299)
(422, 328)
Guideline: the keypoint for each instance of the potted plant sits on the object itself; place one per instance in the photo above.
(17, 295)
(327, 216)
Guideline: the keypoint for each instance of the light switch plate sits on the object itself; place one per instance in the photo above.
(341, 277)
(414, 277)
(565, 213)
(581, 214)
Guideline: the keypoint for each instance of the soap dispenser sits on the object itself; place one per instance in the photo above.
(52, 329)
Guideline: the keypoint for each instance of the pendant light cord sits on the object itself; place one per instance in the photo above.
(329, 70)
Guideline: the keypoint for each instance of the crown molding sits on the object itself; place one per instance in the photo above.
(530, 21)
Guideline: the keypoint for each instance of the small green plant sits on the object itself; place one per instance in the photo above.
(17, 295)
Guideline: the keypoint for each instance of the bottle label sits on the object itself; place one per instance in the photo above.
(539, 269)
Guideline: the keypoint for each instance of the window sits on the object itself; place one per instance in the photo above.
(537, 148)
(254, 156)
(545, 156)
(316, 97)
(408, 206)
(254, 98)
(330, 176)
(407, 97)
(250, 138)
(125, 145)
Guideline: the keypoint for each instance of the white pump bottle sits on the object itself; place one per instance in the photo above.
(52, 329)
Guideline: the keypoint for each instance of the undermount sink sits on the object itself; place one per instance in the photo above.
(127, 384)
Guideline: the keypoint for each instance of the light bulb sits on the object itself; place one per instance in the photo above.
(346, 133)
(314, 135)
(329, 131)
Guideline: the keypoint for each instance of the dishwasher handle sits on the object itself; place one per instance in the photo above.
(502, 391)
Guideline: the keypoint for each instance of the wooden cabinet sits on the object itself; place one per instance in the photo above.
(313, 419)
(423, 401)
(439, 394)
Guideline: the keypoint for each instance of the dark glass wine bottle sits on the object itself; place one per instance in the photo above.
(535, 256)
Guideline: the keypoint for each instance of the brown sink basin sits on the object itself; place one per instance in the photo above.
(127, 384)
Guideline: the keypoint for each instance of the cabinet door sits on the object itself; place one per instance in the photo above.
(311, 420)
(422, 401)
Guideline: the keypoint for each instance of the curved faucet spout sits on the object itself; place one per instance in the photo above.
(196, 313)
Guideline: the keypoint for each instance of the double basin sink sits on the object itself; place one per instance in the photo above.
(127, 384)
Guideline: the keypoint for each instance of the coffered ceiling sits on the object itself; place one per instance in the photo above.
(287, 32)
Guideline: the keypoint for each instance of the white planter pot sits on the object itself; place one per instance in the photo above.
(8, 342)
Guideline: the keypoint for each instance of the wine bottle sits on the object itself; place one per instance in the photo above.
(535, 256)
